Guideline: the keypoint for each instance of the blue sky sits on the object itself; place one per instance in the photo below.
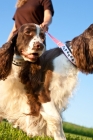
(71, 18)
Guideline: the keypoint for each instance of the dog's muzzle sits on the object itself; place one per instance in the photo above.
(38, 46)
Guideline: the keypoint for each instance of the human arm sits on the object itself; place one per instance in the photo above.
(47, 20)
(48, 13)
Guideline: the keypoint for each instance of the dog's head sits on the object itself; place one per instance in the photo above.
(30, 42)
(83, 50)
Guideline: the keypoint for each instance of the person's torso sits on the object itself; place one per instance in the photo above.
(31, 12)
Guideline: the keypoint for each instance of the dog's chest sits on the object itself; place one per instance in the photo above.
(12, 83)
(15, 71)
(13, 92)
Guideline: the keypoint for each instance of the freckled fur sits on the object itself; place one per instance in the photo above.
(36, 87)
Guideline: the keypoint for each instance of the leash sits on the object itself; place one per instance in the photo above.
(64, 48)
(58, 43)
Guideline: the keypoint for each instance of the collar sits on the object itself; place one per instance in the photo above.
(68, 54)
(17, 60)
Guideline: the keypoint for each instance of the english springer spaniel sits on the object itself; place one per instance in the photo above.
(34, 94)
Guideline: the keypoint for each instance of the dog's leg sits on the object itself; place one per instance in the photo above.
(28, 124)
(53, 119)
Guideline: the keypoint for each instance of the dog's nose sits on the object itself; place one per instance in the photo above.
(38, 46)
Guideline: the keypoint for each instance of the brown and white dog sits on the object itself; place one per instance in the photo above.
(34, 94)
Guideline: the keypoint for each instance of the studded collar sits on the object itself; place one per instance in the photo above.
(17, 60)
(67, 51)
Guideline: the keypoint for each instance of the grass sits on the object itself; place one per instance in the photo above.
(76, 137)
(79, 130)
(7, 132)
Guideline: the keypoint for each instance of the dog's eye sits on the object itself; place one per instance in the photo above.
(30, 32)
(42, 36)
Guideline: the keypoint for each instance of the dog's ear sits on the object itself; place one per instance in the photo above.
(88, 33)
(83, 50)
(6, 57)
(83, 53)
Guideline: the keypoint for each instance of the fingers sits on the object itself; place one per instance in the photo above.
(44, 27)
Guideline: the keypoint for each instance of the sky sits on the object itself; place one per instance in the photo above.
(70, 19)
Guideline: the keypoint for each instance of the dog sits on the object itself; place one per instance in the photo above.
(23, 49)
(35, 93)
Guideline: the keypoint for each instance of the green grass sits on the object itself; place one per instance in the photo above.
(76, 137)
(7, 132)
(76, 129)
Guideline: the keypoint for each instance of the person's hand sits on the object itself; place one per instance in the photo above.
(44, 26)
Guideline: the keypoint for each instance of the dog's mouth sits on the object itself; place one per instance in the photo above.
(30, 56)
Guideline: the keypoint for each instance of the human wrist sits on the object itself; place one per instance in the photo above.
(47, 22)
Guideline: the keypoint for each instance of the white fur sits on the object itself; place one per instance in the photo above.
(38, 29)
(30, 47)
(63, 82)
(35, 39)
(14, 106)
(29, 50)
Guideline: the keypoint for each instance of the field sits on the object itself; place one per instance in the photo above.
(72, 131)
(77, 130)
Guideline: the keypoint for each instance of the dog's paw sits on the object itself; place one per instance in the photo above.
(15, 126)
(59, 138)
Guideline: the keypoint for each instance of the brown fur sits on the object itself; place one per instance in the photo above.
(37, 76)
(32, 82)
(31, 73)
(44, 80)
(44, 94)
(38, 81)
(83, 50)
(36, 84)
(41, 75)
(6, 57)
